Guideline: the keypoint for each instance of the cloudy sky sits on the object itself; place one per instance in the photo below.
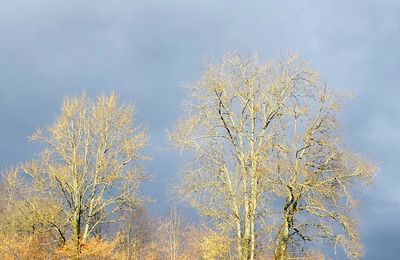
(145, 50)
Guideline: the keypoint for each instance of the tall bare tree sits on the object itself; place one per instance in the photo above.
(229, 126)
(316, 177)
(237, 127)
(89, 167)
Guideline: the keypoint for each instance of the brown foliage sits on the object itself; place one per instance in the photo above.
(94, 248)
(38, 246)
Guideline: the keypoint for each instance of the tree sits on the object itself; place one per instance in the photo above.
(136, 230)
(315, 176)
(228, 128)
(237, 129)
(89, 168)
(30, 228)
(175, 239)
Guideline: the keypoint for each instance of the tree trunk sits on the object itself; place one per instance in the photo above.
(239, 237)
(76, 229)
(247, 216)
(282, 236)
(253, 201)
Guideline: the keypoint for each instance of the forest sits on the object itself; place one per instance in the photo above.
(266, 171)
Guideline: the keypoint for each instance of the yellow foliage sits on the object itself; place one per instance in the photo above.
(215, 246)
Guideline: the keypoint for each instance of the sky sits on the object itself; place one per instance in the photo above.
(146, 50)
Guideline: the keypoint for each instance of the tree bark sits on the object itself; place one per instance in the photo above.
(76, 230)
(282, 237)
(280, 250)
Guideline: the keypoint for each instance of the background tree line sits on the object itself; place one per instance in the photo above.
(267, 172)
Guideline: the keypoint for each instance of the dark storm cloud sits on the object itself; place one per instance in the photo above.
(146, 49)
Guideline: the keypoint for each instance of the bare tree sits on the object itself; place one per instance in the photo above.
(238, 129)
(27, 228)
(89, 166)
(315, 176)
(137, 229)
(228, 128)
